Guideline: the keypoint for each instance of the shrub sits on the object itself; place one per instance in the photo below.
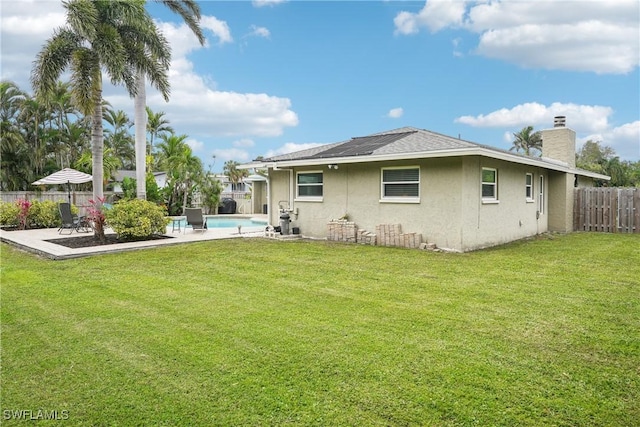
(44, 214)
(23, 213)
(97, 217)
(129, 188)
(136, 219)
(9, 212)
(32, 214)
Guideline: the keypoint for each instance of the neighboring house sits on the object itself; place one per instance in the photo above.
(231, 187)
(238, 191)
(457, 194)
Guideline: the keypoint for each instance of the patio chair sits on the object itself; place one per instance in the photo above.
(195, 219)
(70, 221)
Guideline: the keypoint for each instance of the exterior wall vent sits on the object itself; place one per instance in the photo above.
(559, 121)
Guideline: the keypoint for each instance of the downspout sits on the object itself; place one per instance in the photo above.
(291, 191)
(291, 200)
(268, 198)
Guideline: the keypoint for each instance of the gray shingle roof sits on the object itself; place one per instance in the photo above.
(303, 154)
(412, 142)
(397, 141)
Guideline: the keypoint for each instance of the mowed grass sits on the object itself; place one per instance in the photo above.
(258, 332)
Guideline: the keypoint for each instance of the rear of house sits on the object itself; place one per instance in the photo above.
(455, 194)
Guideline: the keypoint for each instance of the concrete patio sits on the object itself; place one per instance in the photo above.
(36, 240)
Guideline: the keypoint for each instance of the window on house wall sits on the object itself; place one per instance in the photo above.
(541, 195)
(401, 184)
(309, 185)
(528, 187)
(489, 184)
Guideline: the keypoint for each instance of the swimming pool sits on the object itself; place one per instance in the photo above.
(227, 222)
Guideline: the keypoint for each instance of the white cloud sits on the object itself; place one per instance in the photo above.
(196, 106)
(25, 26)
(203, 111)
(584, 46)
(588, 118)
(589, 122)
(263, 3)
(244, 143)
(435, 15)
(195, 145)
(259, 32)
(625, 140)
(456, 47)
(218, 27)
(290, 147)
(224, 154)
(395, 113)
(508, 137)
(597, 36)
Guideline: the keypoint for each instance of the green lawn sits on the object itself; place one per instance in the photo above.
(259, 332)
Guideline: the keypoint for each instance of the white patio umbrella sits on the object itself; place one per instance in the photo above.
(65, 176)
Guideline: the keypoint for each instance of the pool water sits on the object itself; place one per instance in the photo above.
(213, 222)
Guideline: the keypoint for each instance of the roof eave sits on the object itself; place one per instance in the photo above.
(467, 151)
(257, 165)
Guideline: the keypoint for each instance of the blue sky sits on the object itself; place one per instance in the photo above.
(277, 76)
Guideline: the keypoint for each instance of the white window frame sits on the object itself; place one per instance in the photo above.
(309, 198)
(541, 195)
(529, 187)
(494, 197)
(399, 199)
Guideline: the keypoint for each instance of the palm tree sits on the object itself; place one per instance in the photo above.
(526, 140)
(118, 137)
(156, 125)
(189, 10)
(110, 163)
(78, 140)
(33, 118)
(13, 149)
(184, 169)
(235, 175)
(61, 110)
(118, 37)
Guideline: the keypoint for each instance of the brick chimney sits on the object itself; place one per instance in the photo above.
(559, 143)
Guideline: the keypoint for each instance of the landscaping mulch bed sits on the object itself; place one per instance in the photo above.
(89, 241)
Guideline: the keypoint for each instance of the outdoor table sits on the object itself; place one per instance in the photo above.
(176, 224)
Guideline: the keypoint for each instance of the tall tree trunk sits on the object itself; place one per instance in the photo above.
(140, 119)
(97, 155)
(187, 185)
(97, 149)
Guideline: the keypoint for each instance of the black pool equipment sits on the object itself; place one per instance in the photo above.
(227, 206)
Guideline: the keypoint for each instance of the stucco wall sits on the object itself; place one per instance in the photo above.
(450, 213)
(584, 181)
(512, 216)
(561, 187)
(279, 189)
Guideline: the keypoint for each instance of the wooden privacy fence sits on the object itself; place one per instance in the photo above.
(610, 210)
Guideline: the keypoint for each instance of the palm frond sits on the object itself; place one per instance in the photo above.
(52, 60)
(189, 10)
(82, 17)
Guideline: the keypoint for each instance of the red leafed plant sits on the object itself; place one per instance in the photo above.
(24, 206)
(96, 216)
